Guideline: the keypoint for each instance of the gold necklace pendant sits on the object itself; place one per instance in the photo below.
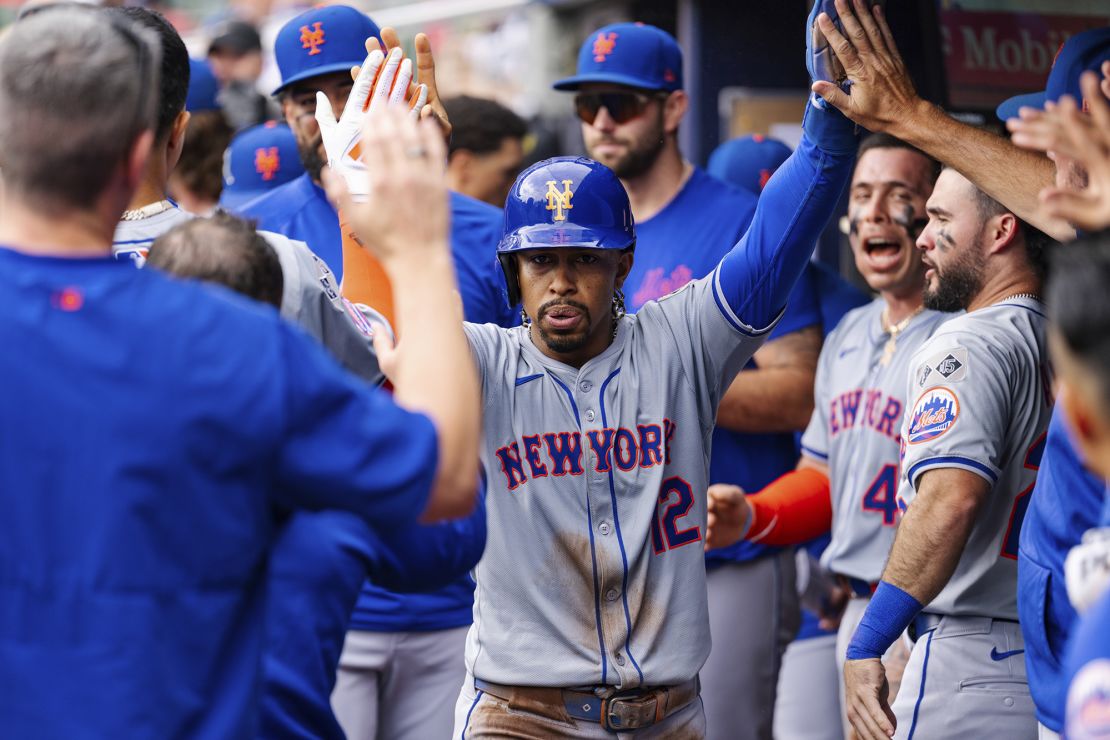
(894, 330)
(888, 350)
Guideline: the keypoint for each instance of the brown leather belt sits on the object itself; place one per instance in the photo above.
(614, 710)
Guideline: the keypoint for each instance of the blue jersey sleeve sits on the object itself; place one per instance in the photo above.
(347, 446)
(755, 279)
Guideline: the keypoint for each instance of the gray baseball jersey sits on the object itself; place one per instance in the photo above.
(593, 571)
(982, 398)
(855, 428)
(309, 297)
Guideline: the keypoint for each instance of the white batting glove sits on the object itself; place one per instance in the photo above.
(392, 75)
(1087, 569)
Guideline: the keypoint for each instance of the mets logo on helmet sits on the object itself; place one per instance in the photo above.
(933, 415)
(312, 38)
(557, 201)
(603, 45)
(267, 162)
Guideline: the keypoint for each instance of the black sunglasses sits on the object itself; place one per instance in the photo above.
(621, 106)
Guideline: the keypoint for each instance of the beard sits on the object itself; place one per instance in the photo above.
(640, 154)
(958, 284)
(311, 157)
(563, 343)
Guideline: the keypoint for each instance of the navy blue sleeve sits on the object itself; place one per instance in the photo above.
(347, 446)
(756, 277)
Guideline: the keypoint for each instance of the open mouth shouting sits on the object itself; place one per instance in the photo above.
(883, 253)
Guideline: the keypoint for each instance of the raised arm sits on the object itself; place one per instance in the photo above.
(884, 99)
(755, 279)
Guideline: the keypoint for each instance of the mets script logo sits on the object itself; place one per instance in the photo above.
(1089, 701)
(603, 45)
(266, 162)
(933, 415)
(312, 38)
(557, 201)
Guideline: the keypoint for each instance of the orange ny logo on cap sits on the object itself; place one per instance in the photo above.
(312, 38)
(267, 162)
(557, 201)
(603, 45)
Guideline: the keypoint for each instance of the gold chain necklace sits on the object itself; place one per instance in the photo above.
(894, 331)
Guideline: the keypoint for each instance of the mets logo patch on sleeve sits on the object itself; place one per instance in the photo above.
(1089, 702)
(933, 415)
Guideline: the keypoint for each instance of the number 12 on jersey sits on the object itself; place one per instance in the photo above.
(676, 498)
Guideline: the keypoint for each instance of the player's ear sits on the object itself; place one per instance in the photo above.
(458, 167)
(675, 106)
(1001, 230)
(176, 140)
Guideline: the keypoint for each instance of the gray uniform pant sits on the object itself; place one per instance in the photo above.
(808, 702)
(753, 616)
(481, 716)
(966, 678)
(399, 685)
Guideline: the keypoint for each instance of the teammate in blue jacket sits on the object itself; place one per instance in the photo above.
(1076, 295)
(160, 425)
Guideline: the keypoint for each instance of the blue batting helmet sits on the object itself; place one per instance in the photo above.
(564, 202)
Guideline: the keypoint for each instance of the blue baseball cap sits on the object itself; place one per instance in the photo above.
(203, 88)
(1082, 52)
(748, 162)
(631, 54)
(321, 41)
(258, 160)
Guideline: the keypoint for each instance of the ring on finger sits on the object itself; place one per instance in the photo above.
(415, 152)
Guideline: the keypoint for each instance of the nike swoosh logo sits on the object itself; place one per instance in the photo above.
(996, 656)
(846, 351)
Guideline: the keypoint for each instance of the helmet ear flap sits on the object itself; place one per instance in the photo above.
(512, 279)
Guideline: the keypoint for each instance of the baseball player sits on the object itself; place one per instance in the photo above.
(973, 435)
(807, 693)
(320, 560)
(630, 100)
(153, 427)
(310, 296)
(260, 158)
(1067, 497)
(846, 479)
(559, 462)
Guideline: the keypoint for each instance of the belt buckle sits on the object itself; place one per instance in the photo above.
(613, 719)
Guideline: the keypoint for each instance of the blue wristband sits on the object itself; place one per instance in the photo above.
(891, 610)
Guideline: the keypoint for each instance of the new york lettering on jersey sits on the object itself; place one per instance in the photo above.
(856, 429)
(982, 398)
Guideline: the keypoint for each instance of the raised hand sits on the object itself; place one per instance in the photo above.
(380, 81)
(405, 211)
(425, 73)
(881, 94)
(729, 515)
(1072, 137)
